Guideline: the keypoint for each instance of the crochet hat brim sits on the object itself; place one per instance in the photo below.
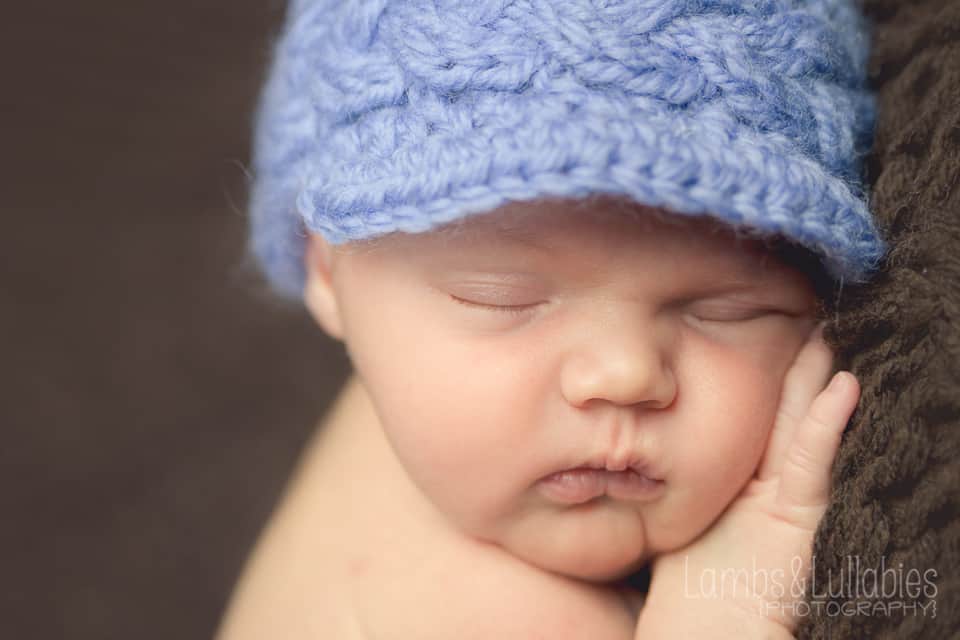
(684, 163)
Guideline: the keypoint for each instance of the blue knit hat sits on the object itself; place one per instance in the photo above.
(402, 115)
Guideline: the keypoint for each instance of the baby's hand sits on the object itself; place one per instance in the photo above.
(755, 560)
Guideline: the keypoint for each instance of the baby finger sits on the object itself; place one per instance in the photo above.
(805, 478)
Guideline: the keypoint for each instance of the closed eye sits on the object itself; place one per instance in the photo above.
(734, 314)
(510, 309)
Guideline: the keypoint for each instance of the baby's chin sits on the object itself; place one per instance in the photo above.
(593, 542)
(586, 563)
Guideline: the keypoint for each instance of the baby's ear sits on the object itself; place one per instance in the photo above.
(319, 295)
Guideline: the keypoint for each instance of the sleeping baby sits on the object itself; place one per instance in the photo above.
(578, 254)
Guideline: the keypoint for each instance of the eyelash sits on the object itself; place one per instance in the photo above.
(746, 316)
(508, 309)
(521, 309)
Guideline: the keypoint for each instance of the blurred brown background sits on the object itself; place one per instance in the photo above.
(153, 400)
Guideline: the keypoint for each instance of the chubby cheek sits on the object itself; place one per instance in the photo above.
(460, 434)
(728, 416)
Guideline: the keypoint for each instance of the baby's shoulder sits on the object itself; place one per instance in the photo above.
(304, 584)
(290, 589)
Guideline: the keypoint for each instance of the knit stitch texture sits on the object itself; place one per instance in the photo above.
(383, 116)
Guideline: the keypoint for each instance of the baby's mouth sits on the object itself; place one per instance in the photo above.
(582, 484)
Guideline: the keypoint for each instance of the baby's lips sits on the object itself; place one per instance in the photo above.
(580, 485)
(648, 472)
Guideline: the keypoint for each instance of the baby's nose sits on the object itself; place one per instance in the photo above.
(625, 362)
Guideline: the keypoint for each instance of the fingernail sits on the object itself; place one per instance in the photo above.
(839, 383)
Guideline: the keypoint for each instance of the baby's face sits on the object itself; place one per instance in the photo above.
(643, 358)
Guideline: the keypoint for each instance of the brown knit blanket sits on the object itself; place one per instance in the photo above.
(897, 477)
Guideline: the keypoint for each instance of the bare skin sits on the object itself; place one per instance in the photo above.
(391, 568)
(418, 512)
(307, 579)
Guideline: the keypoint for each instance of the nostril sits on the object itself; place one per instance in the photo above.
(622, 367)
